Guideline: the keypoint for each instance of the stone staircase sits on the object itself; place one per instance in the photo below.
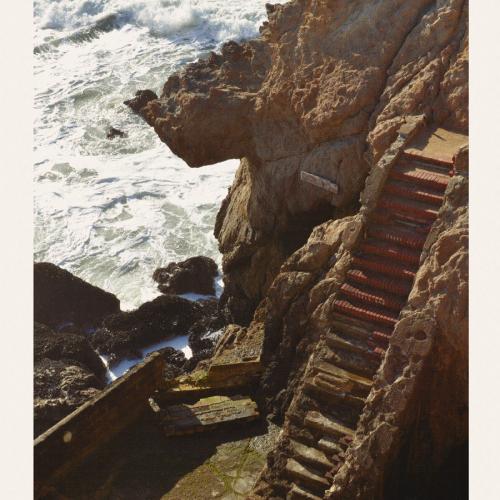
(322, 419)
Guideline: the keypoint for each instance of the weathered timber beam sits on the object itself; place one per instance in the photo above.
(320, 182)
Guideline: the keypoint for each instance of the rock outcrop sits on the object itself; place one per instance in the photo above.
(193, 275)
(67, 372)
(61, 298)
(323, 90)
(123, 334)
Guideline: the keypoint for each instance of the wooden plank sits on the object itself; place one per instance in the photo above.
(207, 413)
(320, 182)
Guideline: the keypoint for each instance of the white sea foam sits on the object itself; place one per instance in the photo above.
(112, 211)
(117, 370)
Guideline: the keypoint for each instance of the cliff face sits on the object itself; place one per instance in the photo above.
(324, 90)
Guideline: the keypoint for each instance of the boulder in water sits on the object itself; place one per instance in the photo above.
(114, 132)
(193, 275)
(125, 333)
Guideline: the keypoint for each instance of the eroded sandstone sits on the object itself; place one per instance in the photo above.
(324, 89)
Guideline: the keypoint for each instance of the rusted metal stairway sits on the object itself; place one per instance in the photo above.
(322, 422)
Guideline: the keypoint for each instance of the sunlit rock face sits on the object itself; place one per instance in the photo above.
(323, 89)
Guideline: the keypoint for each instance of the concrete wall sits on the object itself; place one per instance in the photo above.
(66, 444)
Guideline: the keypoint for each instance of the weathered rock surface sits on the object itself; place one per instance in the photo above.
(59, 388)
(67, 372)
(124, 334)
(61, 298)
(323, 89)
(142, 97)
(66, 346)
(193, 275)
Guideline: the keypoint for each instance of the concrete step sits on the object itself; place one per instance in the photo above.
(353, 361)
(360, 347)
(409, 208)
(207, 414)
(359, 385)
(427, 162)
(398, 235)
(406, 190)
(297, 493)
(384, 267)
(379, 282)
(418, 174)
(337, 392)
(310, 455)
(378, 298)
(366, 312)
(327, 425)
(387, 218)
(305, 475)
(392, 251)
(331, 446)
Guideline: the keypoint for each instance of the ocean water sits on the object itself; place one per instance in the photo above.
(112, 211)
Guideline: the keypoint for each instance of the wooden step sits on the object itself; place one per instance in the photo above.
(366, 313)
(327, 425)
(298, 472)
(310, 455)
(418, 174)
(409, 208)
(382, 266)
(398, 235)
(297, 493)
(378, 281)
(207, 414)
(405, 190)
(375, 297)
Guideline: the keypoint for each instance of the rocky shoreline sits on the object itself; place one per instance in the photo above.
(371, 99)
(77, 325)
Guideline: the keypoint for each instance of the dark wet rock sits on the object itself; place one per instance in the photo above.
(67, 347)
(194, 275)
(123, 334)
(142, 97)
(114, 132)
(173, 356)
(174, 362)
(201, 355)
(201, 335)
(60, 297)
(60, 387)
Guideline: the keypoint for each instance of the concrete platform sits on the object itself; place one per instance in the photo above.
(437, 144)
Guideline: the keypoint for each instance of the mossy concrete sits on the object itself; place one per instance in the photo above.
(146, 465)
